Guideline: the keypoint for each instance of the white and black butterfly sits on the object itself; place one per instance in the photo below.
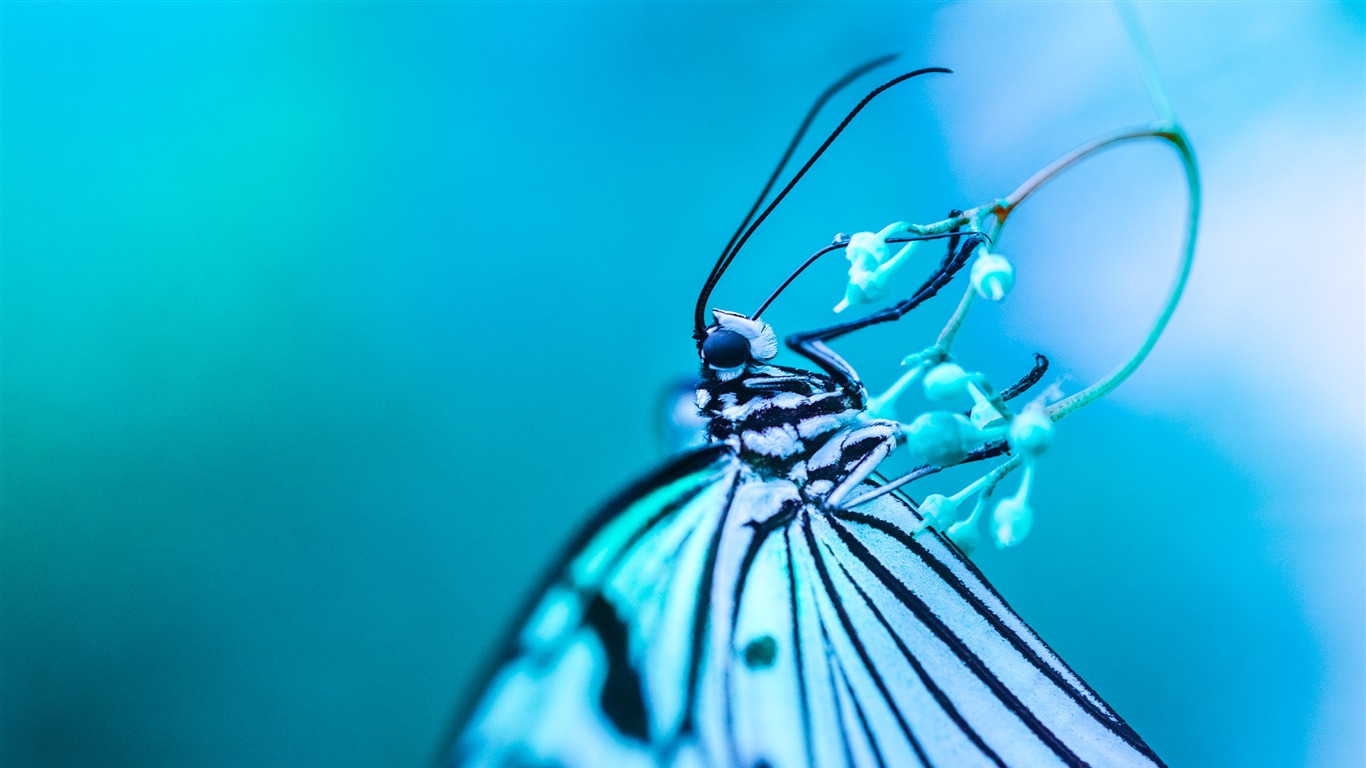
(734, 609)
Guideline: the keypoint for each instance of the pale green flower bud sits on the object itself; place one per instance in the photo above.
(992, 276)
(945, 382)
(939, 511)
(1031, 432)
(941, 438)
(1011, 519)
(965, 535)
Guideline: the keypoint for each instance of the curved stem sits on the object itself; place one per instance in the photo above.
(1004, 207)
(955, 322)
(1166, 129)
(1001, 209)
(1177, 138)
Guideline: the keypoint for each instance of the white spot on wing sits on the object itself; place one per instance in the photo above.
(550, 715)
(557, 613)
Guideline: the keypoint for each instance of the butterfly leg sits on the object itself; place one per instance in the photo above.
(847, 458)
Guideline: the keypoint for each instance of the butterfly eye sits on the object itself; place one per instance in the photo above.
(725, 349)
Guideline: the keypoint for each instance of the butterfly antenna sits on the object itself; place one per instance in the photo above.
(728, 255)
(811, 114)
(843, 242)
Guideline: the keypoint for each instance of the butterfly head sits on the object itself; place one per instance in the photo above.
(735, 342)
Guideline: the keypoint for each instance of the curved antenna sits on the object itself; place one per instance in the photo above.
(699, 316)
(845, 244)
(810, 117)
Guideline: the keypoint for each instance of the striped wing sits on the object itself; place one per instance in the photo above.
(710, 618)
(857, 644)
(599, 671)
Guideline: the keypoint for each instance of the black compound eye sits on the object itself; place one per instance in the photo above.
(725, 349)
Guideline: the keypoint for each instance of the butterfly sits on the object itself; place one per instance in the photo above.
(768, 600)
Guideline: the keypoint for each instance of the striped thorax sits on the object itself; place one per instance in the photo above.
(786, 422)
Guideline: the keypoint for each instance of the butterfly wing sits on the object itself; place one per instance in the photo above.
(613, 628)
(710, 618)
(858, 644)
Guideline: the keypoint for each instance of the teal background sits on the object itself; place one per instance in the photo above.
(325, 323)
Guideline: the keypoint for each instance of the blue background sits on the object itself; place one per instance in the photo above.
(325, 323)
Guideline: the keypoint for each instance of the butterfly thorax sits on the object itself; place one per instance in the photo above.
(774, 416)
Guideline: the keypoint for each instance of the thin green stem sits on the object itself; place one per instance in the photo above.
(995, 476)
(1128, 13)
(1001, 209)
(973, 487)
(955, 323)
(1177, 138)
(882, 406)
(997, 212)
(1166, 129)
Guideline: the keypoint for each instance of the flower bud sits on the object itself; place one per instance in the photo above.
(1031, 432)
(992, 276)
(965, 535)
(939, 511)
(945, 382)
(941, 438)
(866, 250)
(1011, 520)
(984, 416)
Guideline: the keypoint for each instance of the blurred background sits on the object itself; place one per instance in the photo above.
(325, 324)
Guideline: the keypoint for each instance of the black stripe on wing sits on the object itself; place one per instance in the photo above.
(1075, 688)
(926, 679)
(849, 631)
(761, 530)
(940, 698)
(701, 611)
(797, 647)
(832, 666)
(864, 728)
(622, 700)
